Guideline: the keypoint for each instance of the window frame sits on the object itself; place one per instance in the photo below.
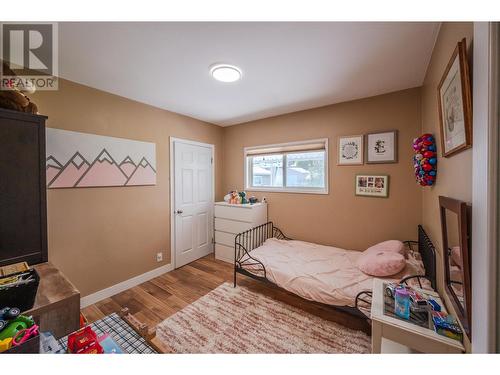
(248, 175)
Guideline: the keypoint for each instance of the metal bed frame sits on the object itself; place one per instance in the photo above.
(250, 239)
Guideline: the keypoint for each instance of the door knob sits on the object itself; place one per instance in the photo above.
(179, 212)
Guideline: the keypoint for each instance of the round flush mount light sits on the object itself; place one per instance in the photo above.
(225, 72)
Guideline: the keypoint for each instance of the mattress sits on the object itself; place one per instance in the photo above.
(318, 273)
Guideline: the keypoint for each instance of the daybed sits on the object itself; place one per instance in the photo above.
(324, 274)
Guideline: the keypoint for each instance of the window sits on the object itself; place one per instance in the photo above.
(300, 167)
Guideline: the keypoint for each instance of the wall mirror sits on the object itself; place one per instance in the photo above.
(456, 239)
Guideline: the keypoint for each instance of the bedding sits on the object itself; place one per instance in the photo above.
(319, 273)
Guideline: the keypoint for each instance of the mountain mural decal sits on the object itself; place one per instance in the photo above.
(71, 173)
(53, 169)
(82, 160)
(103, 171)
(144, 174)
(128, 166)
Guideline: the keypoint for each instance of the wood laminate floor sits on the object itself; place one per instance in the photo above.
(155, 300)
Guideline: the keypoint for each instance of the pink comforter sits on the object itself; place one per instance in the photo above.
(319, 273)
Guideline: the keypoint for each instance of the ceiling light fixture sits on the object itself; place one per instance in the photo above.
(225, 72)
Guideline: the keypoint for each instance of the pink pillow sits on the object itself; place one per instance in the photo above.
(393, 246)
(381, 263)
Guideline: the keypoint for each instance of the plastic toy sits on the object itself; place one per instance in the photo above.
(16, 325)
(7, 314)
(390, 288)
(425, 159)
(402, 303)
(446, 325)
(5, 344)
(434, 305)
(24, 335)
(84, 341)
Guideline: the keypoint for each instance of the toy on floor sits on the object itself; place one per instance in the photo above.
(425, 159)
(49, 344)
(84, 341)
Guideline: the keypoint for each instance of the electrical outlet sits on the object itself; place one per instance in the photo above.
(159, 257)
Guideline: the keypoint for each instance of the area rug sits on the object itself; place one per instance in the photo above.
(237, 320)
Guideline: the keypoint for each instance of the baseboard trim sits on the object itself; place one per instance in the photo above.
(124, 285)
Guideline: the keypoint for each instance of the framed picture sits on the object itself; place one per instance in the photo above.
(372, 185)
(382, 147)
(350, 150)
(455, 114)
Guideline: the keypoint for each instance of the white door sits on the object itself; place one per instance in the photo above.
(193, 201)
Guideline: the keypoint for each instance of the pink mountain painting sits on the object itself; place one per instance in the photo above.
(82, 160)
(71, 173)
(104, 171)
(128, 166)
(144, 174)
(53, 169)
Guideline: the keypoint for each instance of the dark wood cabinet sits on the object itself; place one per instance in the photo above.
(23, 202)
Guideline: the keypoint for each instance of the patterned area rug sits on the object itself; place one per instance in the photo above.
(237, 320)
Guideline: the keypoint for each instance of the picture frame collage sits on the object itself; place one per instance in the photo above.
(378, 148)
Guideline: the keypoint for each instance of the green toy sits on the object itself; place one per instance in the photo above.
(16, 325)
(243, 196)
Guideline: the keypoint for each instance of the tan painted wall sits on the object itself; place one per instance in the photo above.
(454, 173)
(339, 218)
(102, 236)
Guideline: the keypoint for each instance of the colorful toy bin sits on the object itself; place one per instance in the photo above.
(425, 159)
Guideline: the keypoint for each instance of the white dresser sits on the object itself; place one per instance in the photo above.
(231, 219)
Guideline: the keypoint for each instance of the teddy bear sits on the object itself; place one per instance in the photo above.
(14, 98)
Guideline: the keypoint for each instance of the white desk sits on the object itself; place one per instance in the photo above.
(421, 339)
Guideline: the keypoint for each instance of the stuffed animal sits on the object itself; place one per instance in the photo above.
(13, 97)
(235, 198)
(243, 197)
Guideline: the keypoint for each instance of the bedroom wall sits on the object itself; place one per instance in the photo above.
(101, 236)
(454, 173)
(339, 218)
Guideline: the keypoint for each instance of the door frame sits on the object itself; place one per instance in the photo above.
(485, 185)
(172, 188)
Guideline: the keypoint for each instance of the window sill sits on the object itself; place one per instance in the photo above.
(288, 190)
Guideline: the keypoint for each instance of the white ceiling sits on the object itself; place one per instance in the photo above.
(286, 67)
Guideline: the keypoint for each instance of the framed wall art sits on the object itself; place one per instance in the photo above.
(81, 160)
(350, 151)
(372, 185)
(455, 108)
(382, 147)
